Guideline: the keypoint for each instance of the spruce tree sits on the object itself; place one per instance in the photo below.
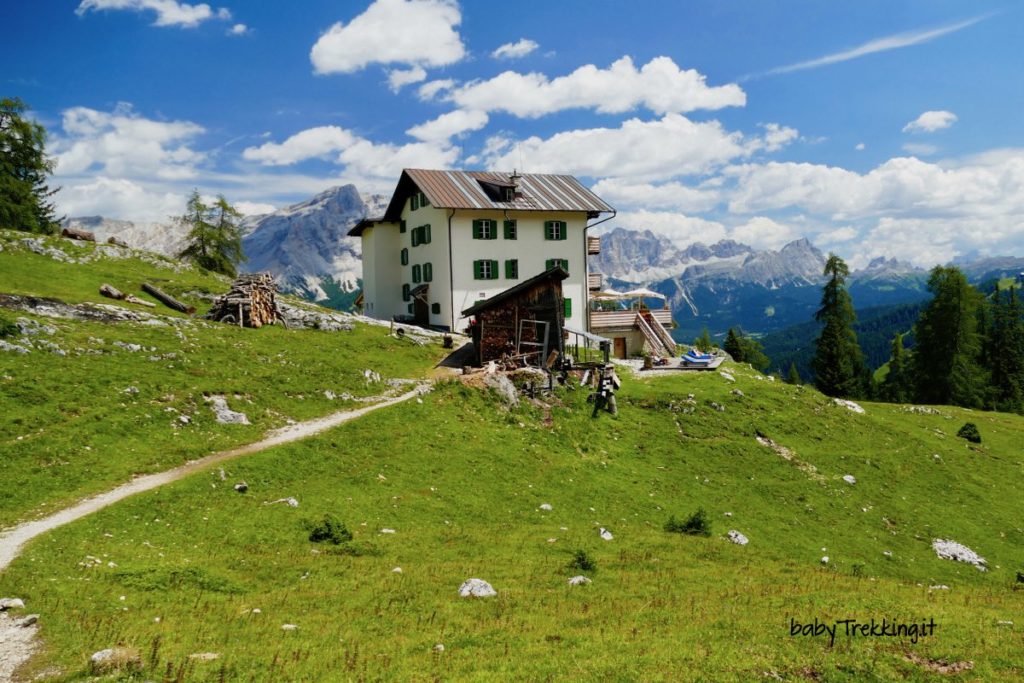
(732, 346)
(945, 365)
(1006, 353)
(793, 376)
(24, 195)
(703, 342)
(897, 386)
(838, 362)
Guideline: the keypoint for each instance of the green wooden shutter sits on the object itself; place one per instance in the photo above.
(405, 257)
(493, 231)
(405, 292)
(510, 230)
(568, 308)
(426, 234)
(417, 274)
(401, 225)
(494, 270)
(415, 237)
(476, 228)
(476, 269)
(563, 231)
(512, 269)
(549, 264)
(415, 202)
(428, 272)
(564, 263)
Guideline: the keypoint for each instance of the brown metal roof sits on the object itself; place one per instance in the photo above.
(463, 190)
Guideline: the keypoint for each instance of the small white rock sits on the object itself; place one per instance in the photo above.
(546, 507)
(11, 603)
(606, 535)
(939, 587)
(289, 627)
(439, 648)
(476, 588)
(738, 538)
(396, 570)
(27, 621)
(824, 559)
(387, 531)
(579, 581)
(849, 479)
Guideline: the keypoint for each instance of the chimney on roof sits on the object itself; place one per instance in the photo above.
(514, 179)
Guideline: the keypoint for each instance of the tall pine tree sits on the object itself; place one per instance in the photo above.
(897, 386)
(838, 361)
(214, 237)
(732, 346)
(946, 361)
(1006, 352)
(25, 198)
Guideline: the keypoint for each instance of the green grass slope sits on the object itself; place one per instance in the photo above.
(115, 403)
(460, 480)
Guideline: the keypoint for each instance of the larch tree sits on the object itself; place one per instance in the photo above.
(214, 240)
(25, 198)
(838, 362)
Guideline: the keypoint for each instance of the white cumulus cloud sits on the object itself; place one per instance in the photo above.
(520, 48)
(680, 228)
(449, 125)
(620, 192)
(931, 121)
(239, 30)
(119, 198)
(168, 12)
(660, 86)
(399, 78)
(762, 232)
(407, 32)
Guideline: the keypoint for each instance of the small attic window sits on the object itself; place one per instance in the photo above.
(508, 194)
(497, 192)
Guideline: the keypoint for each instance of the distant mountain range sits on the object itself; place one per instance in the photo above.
(722, 285)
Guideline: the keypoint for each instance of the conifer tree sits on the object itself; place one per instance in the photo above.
(897, 386)
(214, 237)
(1006, 353)
(945, 365)
(838, 362)
(732, 346)
(703, 342)
(793, 376)
(24, 195)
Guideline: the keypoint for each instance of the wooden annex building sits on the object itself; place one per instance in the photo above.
(526, 320)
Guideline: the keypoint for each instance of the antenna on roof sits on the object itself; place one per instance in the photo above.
(519, 148)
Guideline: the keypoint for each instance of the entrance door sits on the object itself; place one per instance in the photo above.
(421, 310)
(620, 347)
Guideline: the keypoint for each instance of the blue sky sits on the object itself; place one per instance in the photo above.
(873, 128)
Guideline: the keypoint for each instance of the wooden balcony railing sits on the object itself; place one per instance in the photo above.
(593, 246)
(623, 319)
(595, 281)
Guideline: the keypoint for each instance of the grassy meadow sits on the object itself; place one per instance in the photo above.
(197, 568)
(80, 423)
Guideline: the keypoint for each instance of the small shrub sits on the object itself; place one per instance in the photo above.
(696, 525)
(7, 328)
(329, 530)
(970, 432)
(1020, 577)
(582, 561)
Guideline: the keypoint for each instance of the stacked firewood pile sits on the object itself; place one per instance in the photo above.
(251, 302)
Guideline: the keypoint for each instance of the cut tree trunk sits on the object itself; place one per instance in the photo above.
(114, 293)
(167, 299)
(76, 234)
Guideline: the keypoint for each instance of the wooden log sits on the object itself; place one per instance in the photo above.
(166, 299)
(76, 234)
(116, 241)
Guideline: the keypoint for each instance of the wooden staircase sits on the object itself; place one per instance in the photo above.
(658, 338)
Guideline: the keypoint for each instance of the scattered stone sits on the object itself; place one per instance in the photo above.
(717, 406)
(1004, 623)
(224, 414)
(132, 348)
(738, 538)
(184, 419)
(939, 587)
(387, 531)
(396, 570)
(330, 395)
(476, 588)
(737, 392)
(504, 387)
(727, 514)
(849, 479)
(27, 621)
(204, 656)
(131, 391)
(887, 553)
(11, 603)
(290, 502)
(606, 535)
(439, 648)
(849, 405)
(579, 581)
(27, 326)
(546, 507)
(289, 627)
(371, 377)
(727, 375)
(951, 550)
(921, 410)
(115, 659)
(14, 348)
(242, 487)
(824, 559)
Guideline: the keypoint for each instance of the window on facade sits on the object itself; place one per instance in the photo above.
(414, 203)
(559, 262)
(423, 200)
(405, 292)
(435, 309)
(508, 194)
(512, 269)
(554, 230)
(401, 225)
(428, 272)
(510, 230)
(415, 236)
(568, 307)
(484, 229)
(417, 274)
(485, 270)
(405, 257)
